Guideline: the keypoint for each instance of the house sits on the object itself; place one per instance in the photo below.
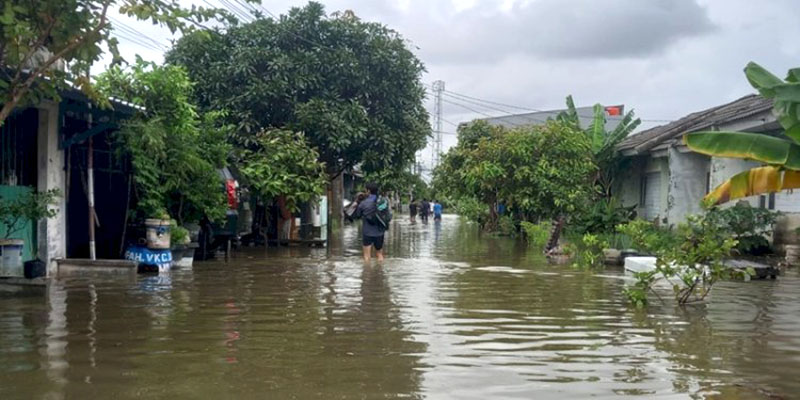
(585, 115)
(47, 147)
(667, 182)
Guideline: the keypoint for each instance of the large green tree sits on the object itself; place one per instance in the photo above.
(174, 152)
(538, 171)
(353, 87)
(48, 45)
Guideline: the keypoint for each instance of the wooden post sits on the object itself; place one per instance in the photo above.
(90, 184)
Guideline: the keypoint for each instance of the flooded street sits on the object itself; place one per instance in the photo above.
(450, 315)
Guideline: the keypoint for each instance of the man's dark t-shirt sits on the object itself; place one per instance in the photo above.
(368, 207)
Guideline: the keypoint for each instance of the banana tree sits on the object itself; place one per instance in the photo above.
(780, 154)
(604, 142)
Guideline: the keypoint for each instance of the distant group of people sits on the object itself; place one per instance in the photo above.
(424, 209)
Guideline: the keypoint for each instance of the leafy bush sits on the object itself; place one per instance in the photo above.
(747, 225)
(472, 209)
(537, 234)
(647, 237)
(31, 206)
(178, 234)
(602, 216)
(506, 226)
(617, 240)
(691, 260)
(590, 251)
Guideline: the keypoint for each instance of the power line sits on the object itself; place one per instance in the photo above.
(469, 108)
(485, 103)
(139, 36)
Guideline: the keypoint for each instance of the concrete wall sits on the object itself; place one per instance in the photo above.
(688, 179)
(51, 233)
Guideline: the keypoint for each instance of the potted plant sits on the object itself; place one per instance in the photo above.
(182, 246)
(14, 216)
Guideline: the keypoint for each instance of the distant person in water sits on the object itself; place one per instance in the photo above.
(437, 210)
(412, 210)
(372, 230)
(424, 210)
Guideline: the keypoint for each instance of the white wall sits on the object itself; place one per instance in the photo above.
(51, 233)
(687, 184)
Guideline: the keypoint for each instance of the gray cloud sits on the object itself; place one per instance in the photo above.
(580, 29)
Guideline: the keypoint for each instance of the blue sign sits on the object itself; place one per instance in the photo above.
(159, 258)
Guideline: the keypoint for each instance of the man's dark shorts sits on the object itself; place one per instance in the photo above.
(376, 241)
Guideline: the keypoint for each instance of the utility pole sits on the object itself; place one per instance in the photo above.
(438, 88)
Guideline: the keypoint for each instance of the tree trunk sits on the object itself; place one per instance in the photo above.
(555, 234)
(335, 199)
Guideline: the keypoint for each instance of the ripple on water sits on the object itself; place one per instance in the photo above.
(452, 314)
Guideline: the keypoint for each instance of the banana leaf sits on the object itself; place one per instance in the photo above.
(754, 182)
(752, 146)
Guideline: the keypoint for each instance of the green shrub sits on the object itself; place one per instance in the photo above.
(747, 225)
(647, 237)
(589, 253)
(506, 226)
(473, 210)
(691, 259)
(537, 234)
(601, 216)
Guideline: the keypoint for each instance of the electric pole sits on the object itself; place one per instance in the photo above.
(438, 88)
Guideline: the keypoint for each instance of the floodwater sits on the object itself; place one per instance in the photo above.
(450, 315)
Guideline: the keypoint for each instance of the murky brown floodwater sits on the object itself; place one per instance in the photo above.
(450, 316)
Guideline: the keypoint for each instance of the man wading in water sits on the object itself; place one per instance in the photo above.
(374, 211)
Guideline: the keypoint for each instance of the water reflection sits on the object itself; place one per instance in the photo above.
(452, 313)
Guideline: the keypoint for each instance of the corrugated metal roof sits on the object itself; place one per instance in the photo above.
(733, 111)
(585, 115)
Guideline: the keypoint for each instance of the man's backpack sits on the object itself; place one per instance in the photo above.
(382, 214)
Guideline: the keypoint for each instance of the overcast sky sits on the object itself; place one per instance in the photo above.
(662, 58)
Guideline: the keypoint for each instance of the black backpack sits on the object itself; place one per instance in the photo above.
(382, 214)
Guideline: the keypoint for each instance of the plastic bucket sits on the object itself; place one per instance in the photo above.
(158, 234)
(11, 258)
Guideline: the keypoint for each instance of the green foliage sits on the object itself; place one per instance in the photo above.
(472, 209)
(48, 45)
(746, 224)
(647, 237)
(174, 152)
(637, 293)
(178, 234)
(352, 87)
(31, 206)
(506, 226)
(589, 253)
(537, 234)
(604, 143)
(601, 216)
(540, 171)
(282, 163)
(691, 263)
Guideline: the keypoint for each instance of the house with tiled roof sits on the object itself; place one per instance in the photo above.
(666, 181)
